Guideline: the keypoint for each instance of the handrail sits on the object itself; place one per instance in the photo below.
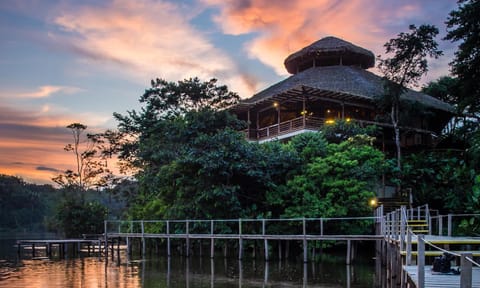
(277, 227)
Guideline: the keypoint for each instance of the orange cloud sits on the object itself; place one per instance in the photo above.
(283, 27)
(31, 144)
(145, 39)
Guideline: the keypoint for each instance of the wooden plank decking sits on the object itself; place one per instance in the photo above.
(440, 280)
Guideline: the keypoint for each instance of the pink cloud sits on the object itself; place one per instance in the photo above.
(145, 39)
(283, 27)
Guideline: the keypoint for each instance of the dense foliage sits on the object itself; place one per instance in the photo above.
(190, 160)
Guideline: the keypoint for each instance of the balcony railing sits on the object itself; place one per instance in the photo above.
(290, 126)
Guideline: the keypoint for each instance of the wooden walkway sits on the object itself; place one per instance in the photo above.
(62, 246)
(405, 229)
(440, 280)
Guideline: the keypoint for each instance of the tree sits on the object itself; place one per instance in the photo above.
(463, 26)
(91, 169)
(188, 152)
(340, 184)
(405, 68)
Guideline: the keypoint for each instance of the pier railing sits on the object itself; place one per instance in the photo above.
(249, 228)
(415, 226)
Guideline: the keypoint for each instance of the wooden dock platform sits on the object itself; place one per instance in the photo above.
(440, 280)
(62, 246)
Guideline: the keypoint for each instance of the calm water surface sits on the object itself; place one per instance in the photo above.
(180, 272)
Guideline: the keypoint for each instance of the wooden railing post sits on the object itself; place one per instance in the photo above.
(466, 271)
(212, 240)
(408, 260)
(449, 225)
(143, 238)
(187, 239)
(305, 248)
(440, 225)
(421, 261)
(105, 223)
(265, 240)
(427, 218)
(240, 240)
(403, 223)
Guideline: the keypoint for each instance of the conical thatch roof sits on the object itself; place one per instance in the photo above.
(337, 82)
(328, 51)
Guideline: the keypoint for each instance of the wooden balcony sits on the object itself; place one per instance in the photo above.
(285, 129)
(297, 126)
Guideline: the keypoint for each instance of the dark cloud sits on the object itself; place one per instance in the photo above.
(43, 168)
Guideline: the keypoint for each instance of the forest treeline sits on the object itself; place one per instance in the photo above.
(186, 157)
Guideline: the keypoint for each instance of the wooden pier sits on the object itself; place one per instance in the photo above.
(266, 231)
(403, 238)
(61, 246)
(405, 229)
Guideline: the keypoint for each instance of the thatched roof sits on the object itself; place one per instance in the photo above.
(330, 50)
(335, 82)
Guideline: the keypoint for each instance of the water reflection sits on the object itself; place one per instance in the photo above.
(185, 272)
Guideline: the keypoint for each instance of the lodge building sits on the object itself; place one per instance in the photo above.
(330, 82)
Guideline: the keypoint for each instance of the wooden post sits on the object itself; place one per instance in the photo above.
(449, 225)
(168, 239)
(427, 218)
(349, 252)
(265, 240)
(143, 238)
(408, 260)
(403, 224)
(240, 240)
(187, 240)
(421, 261)
(106, 238)
(305, 248)
(440, 225)
(212, 240)
(466, 270)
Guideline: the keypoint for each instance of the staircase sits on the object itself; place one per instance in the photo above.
(418, 226)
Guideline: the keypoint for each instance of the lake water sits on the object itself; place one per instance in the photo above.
(177, 271)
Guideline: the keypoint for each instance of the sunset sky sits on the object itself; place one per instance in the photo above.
(79, 61)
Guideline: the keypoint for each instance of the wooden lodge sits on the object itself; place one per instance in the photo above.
(330, 82)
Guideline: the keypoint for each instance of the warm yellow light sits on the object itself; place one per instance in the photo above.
(304, 112)
(330, 121)
(275, 104)
(348, 119)
(373, 202)
(328, 111)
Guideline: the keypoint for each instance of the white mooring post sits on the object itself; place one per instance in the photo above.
(466, 271)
